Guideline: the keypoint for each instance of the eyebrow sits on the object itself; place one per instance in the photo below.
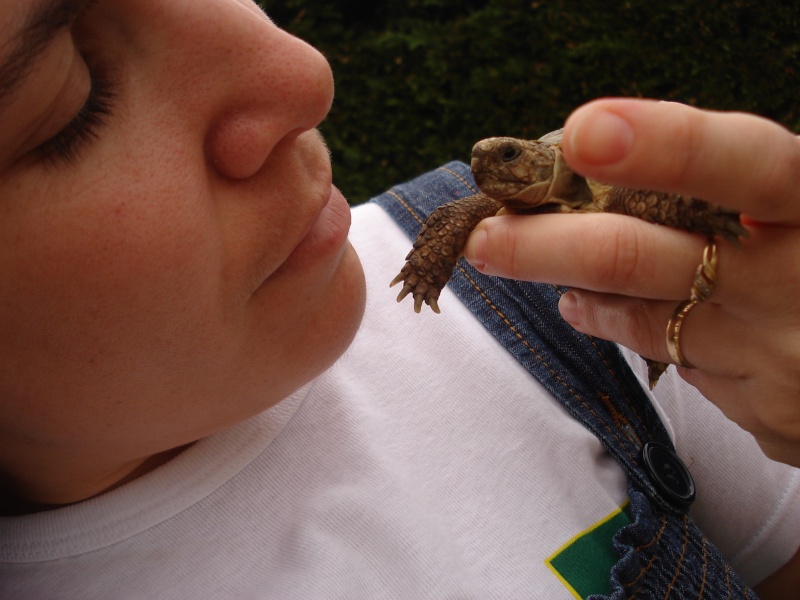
(44, 21)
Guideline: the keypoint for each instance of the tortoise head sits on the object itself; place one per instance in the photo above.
(522, 174)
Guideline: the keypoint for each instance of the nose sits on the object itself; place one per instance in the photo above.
(268, 85)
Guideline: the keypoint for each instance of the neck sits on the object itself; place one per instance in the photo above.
(36, 494)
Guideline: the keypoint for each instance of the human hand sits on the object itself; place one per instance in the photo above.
(628, 276)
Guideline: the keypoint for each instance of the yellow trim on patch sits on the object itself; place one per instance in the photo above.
(561, 579)
(549, 560)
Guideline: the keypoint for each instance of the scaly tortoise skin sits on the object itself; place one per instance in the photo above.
(531, 176)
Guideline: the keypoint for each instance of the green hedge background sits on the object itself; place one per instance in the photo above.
(419, 81)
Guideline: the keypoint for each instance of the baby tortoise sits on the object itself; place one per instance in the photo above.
(531, 176)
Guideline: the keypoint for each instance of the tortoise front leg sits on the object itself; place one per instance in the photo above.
(438, 247)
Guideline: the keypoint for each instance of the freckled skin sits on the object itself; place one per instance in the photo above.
(532, 176)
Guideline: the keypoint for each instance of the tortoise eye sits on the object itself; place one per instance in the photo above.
(509, 153)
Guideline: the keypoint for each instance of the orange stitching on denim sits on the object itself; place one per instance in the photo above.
(728, 579)
(631, 405)
(705, 568)
(652, 561)
(656, 539)
(460, 178)
(680, 559)
(405, 204)
(644, 570)
(413, 212)
(613, 432)
(619, 420)
(514, 330)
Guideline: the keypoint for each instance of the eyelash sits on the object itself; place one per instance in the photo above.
(84, 126)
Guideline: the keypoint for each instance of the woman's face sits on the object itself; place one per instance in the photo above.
(173, 258)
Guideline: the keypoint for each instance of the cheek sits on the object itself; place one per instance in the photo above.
(105, 276)
(117, 308)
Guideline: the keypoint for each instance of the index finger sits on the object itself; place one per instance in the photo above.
(740, 161)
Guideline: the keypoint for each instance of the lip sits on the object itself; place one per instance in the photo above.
(325, 237)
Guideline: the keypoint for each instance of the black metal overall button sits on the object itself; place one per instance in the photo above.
(669, 475)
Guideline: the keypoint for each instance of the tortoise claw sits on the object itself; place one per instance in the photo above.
(408, 287)
(654, 371)
(734, 231)
(418, 298)
(421, 290)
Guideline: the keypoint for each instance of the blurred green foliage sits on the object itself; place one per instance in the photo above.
(419, 81)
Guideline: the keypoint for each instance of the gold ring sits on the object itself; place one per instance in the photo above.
(705, 277)
(674, 328)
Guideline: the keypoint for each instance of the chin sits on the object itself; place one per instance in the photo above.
(318, 332)
(335, 329)
(346, 310)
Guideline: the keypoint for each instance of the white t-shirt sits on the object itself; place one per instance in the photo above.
(426, 463)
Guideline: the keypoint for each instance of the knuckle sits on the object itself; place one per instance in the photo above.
(638, 326)
(688, 129)
(627, 321)
(517, 257)
(503, 254)
(513, 247)
(780, 179)
(619, 266)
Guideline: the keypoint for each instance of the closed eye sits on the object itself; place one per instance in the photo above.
(85, 125)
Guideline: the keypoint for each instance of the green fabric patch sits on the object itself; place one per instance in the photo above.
(584, 563)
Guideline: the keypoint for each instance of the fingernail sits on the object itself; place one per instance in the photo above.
(568, 307)
(475, 249)
(601, 137)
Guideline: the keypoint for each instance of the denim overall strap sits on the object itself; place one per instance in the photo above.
(662, 552)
